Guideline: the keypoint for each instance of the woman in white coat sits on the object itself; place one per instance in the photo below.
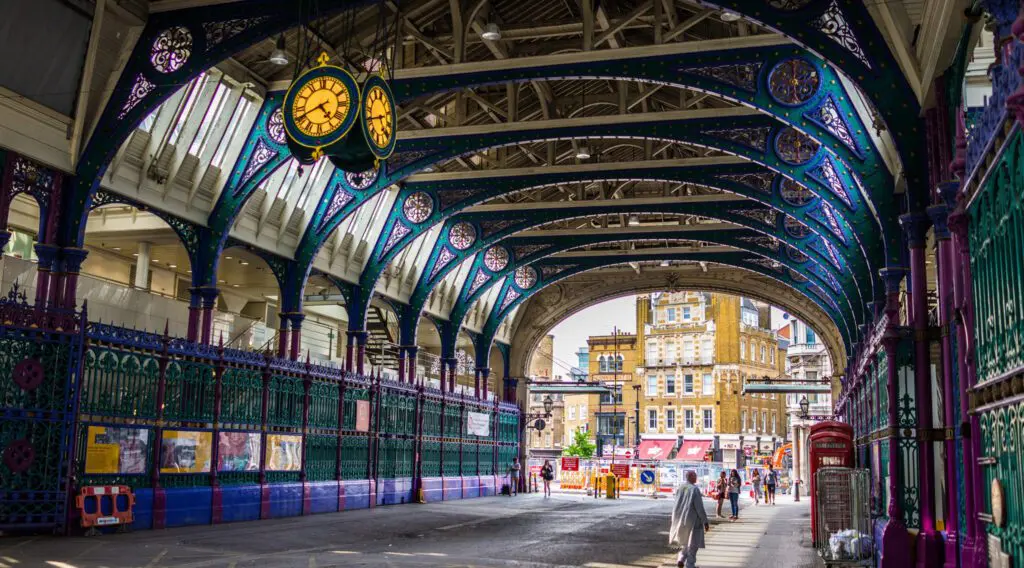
(689, 522)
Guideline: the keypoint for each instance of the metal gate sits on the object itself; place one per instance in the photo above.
(40, 356)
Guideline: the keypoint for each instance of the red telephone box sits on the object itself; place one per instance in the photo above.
(831, 445)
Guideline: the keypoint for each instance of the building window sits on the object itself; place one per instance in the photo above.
(652, 419)
(583, 411)
(809, 336)
(762, 354)
(670, 384)
(773, 422)
(652, 385)
(687, 384)
(602, 364)
(753, 421)
(743, 421)
(687, 355)
(709, 422)
(686, 314)
(670, 419)
(707, 385)
(670, 315)
(706, 351)
(618, 362)
(764, 420)
(772, 353)
(688, 419)
(743, 349)
(670, 351)
(812, 375)
(652, 351)
(572, 413)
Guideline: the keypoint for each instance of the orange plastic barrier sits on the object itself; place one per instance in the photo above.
(104, 506)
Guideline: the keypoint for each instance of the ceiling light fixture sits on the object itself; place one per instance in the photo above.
(173, 265)
(728, 16)
(634, 220)
(244, 263)
(117, 248)
(583, 152)
(664, 263)
(278, 56)
(491, 32)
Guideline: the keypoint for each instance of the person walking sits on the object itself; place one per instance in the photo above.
(723, 489)
(755, 480)
(771, 480)
(513, 474)
(547, 473)
(689, 522)
(734, 494)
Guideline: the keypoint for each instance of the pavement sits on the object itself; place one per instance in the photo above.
(523, 531)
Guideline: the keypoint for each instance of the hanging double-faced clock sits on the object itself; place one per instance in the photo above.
(320, 108)
(378, 117)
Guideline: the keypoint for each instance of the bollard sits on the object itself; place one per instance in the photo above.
(611, 486)
(796, 491)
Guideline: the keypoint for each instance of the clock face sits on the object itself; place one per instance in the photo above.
(320, 107)
(378, 114)
(379, 119)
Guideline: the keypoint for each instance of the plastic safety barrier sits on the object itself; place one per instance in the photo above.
(104, 506)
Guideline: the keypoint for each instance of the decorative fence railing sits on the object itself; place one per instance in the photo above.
(159, 413)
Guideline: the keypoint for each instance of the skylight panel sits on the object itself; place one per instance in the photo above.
(212, 113)
(236, 120)
(196, 86)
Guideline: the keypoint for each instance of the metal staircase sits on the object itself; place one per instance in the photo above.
(382, 338)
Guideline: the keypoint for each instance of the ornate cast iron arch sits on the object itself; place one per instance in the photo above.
(567, 297)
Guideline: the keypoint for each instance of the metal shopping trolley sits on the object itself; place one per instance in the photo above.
(842, 528)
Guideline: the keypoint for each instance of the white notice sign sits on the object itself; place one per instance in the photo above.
(478, 423)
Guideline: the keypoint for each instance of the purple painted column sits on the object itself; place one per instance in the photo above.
(444, 375)
(159, 497)
(944, 267)
(296, 336)
(928, 541)
(194, 308)
(218, 394)
(47, 255)
(360, 351)
(282, 335)
(485, 378)
(71, 263)
(476, 382)
(452, 370)
(401, 363)
(264, 412)
(895, 544)
(209, 298)
(307, 502)
(350, 351)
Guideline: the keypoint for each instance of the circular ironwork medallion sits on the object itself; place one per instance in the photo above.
(418, 207)
(18, 457)
(794, 81)
(28, 374)
(795, 228)
(496, 258)
(275, 126)
(462, 235)
(171, 49)
(526, 277)
(794, 193)
(794, 147)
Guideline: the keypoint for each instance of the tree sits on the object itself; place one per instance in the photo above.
(581, 446)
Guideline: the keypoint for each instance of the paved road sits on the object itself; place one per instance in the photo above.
(566, 530)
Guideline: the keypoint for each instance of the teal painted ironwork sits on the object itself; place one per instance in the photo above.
(909, 486)
(431, 456)
(189, 392)
(354, 457)
(321, 457)
(1002, 438)
(242, 396)
(997, 249)
(119, 383)
(286, 400)
(323, 405)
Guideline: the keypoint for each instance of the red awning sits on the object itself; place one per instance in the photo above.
(693, 450)
(654, 449)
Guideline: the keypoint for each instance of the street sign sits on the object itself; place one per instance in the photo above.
(570, 464)
(539, 424)
(620, 469)
(647, 477)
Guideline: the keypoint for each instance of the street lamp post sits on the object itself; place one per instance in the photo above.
(636, 433)
(805, 407)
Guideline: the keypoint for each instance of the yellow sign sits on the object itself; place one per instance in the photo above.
(284, 452)
(185, 451)
(116, 450)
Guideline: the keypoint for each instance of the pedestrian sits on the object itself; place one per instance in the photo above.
(771, 480)
(689, 522)
(755, 480)
(734, 494)
(723, 489)
(547, 473)
(513, 473)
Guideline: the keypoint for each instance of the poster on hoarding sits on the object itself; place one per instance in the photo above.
(478, 423)
(362, 416)
(620, 469)
(570, 464)
(669, 475)
(238, 451)
(116, 450)
(284, 452)
(185, 451)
